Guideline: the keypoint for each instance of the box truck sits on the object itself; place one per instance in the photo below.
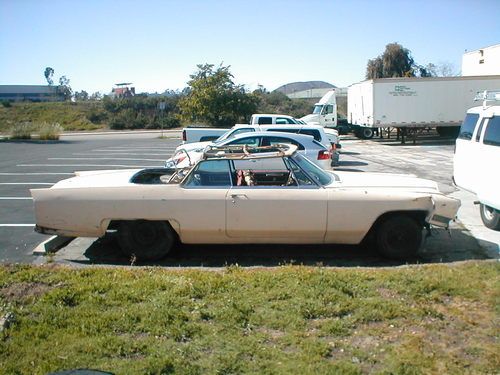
(409, 104)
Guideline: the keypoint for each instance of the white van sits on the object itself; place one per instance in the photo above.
(476, 163)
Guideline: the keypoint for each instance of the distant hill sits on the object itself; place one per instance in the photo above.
(290, 88)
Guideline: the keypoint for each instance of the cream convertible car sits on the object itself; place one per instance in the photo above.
(262, 195)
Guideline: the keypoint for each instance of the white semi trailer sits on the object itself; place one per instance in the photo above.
(410, 104)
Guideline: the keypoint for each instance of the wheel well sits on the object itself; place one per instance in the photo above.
(115, 224)
(418, 216)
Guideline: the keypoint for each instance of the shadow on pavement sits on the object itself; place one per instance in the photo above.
(441, 247)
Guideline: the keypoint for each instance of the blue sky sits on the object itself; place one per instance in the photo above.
(157, 44)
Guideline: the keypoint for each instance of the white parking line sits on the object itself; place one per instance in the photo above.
(17, 225)
(15, 198)
(27, 183)
(105, 159)
(89, 165)
(35, 174)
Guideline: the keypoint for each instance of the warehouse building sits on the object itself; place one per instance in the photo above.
(33, 93)
(482, 62)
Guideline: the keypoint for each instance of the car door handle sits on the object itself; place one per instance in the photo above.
(240, 196)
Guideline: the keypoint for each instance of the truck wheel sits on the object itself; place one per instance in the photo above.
(365, 133)
(146, 240)
(490, 217)
(399, 237)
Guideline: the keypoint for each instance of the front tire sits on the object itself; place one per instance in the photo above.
(490, 217)
(146, 240)
(365, 133)
(399, 237)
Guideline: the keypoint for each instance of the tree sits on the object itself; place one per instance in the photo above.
(374, 68)
(64, 88)
(213, 97)
(49, 73)
(81, 96)
(443, 69)
(396, 61)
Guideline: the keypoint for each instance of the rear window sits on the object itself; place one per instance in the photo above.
(468, 126)
(492, 133)
(265, 120)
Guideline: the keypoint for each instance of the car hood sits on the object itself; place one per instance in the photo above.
(193, 146)
(311, 118)
(382, 180)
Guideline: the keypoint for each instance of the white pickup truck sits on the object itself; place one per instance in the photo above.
(204, 134)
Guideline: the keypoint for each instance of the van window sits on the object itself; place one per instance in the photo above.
(492, 133)
(468, 126)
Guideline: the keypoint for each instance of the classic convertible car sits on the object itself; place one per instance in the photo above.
(244, 195)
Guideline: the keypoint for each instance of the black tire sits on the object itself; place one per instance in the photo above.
(490, 217)
(146, 240)
(364, 133)
(399, 237)
(448, 131)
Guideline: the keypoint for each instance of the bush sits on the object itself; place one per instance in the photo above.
(21, 131)
(96, 116)
(48, 131)
(6, 103)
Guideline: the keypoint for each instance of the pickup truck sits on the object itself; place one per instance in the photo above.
(203, 134)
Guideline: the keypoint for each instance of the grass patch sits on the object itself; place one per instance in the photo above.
(71, 116)
(291, 319)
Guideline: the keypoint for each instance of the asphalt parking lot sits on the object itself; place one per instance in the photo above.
(27, 165)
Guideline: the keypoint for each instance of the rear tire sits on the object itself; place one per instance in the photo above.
(490, 217)
(146, 240)
(399, 237)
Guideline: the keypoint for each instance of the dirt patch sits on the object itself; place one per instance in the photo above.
(21, 292)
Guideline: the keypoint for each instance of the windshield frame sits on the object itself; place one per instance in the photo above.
(319, 176)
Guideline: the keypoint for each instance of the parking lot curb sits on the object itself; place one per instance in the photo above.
(51, 245)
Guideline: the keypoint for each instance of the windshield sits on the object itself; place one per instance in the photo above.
(319, 175)
(223, 137)
(317, 109)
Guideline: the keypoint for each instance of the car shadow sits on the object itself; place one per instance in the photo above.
(441, 247)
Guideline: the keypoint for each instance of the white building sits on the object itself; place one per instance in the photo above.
(482, 62)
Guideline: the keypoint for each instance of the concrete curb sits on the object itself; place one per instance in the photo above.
(51, 245)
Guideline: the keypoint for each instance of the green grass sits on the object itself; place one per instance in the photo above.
(71, 116)
(291, 319)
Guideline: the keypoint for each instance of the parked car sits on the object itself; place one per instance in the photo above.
(306, 145)
(330, 141)
(476, 162)
(244, 195)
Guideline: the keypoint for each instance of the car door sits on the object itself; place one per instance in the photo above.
(201, 202)
(273, 213)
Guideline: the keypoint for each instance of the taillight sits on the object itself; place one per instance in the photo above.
(184, 135)
(324, 155)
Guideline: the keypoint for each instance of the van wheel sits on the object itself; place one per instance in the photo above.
(399, 237)
(146, 240)
(490, 217)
